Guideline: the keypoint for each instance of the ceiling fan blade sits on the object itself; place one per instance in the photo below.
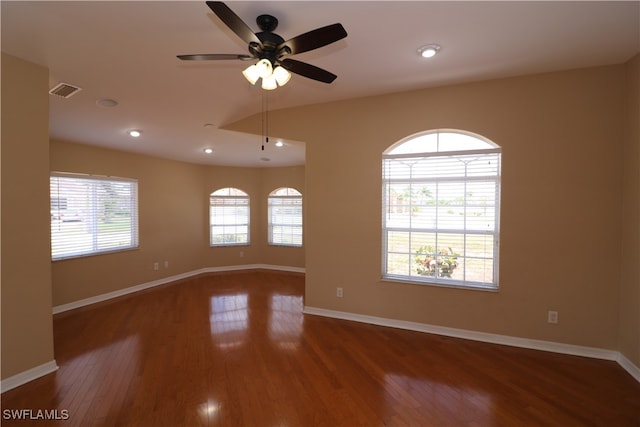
(308, 70)
(233, 21)
(314, 39)
(214, 57)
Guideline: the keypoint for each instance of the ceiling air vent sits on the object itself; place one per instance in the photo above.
(65, 90)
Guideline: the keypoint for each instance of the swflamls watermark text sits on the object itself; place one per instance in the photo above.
(35, 414)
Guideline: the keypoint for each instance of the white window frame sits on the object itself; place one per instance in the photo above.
(236, 226)
(285, 229)
(89, 218)
(415, 231)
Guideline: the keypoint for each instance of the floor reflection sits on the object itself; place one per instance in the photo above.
(208, 410)
(229, 319)
(285, 320)
(101, 382)
(446, 399)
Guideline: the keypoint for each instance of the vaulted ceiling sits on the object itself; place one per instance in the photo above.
(126, 51)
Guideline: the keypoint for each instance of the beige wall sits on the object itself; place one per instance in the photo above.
(563, 135)
(561, 202)
(629, 329)
(27, 323)
(173, 219)
(172, 222)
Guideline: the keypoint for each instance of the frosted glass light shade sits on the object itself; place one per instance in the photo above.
(281, 75)
(251, 74)
(269, 83)
(264, 68)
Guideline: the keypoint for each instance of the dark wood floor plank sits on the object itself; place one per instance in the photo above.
(235, 350)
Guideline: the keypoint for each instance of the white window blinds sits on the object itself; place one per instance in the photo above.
(441, 211)
(91, 215)
(285, 217)
(229, 217)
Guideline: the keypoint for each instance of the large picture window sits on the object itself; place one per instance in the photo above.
(229, 217)
(441, 201)
(285, 217)
(91, 215)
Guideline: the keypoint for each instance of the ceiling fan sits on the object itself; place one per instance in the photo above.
(270, 49)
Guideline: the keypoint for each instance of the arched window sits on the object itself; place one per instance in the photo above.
(285, 217)
(229, 217)
(441, 201)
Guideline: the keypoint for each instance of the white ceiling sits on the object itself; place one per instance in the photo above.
(126, 51)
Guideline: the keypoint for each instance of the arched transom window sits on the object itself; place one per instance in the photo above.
(229, 217)
(441, 206)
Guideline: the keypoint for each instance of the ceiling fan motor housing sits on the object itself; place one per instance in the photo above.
(270, 40)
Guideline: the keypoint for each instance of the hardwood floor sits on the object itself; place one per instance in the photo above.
(236, 350)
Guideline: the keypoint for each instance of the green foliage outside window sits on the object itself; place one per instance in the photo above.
(444, 261)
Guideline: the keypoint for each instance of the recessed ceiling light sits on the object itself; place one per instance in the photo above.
(279, 144)
(429, 50)
(208, 150)
(134, 133)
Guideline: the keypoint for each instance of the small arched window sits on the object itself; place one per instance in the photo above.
(285, 217)
(229, 217)
(441, 201)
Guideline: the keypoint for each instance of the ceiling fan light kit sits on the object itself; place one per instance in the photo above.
(270, 79)
(271, 50)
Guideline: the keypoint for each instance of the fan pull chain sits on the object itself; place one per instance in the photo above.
(265, 118)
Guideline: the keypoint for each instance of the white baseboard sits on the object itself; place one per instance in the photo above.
(28, 375)
(555, 347)
(629, 366)
(120, 292)
(575, 350)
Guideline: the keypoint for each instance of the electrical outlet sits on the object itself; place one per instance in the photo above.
(156, 266)
(241, 254)
(339, 292)
(166, 264)
(552, 317)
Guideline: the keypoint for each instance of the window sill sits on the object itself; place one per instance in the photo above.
(92, 254)
(467, 287)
